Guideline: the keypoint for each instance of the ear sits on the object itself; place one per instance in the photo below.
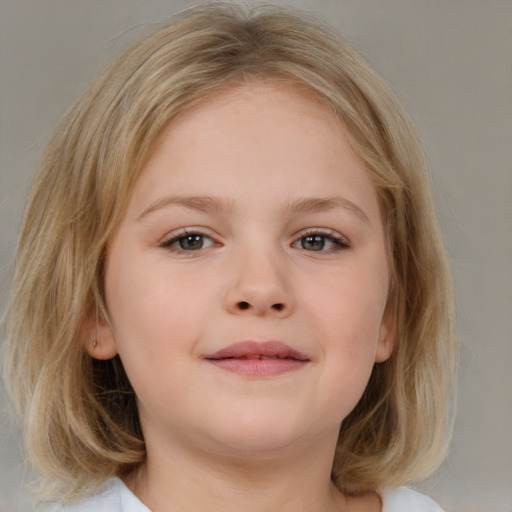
(96, 336)
(387, 333)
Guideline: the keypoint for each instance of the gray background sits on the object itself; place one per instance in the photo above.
(450, 61)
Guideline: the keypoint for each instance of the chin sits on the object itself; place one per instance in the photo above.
(259, 438)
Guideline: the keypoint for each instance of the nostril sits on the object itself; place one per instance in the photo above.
(243, 305)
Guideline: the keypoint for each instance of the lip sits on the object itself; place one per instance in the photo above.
(258, 359)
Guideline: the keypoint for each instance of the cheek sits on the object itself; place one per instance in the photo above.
(352, 303)
(349, 348)
(151, 295)
(348, 313)
(156, 316)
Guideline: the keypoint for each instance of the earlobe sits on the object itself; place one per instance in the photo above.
(97, 338)
(387, 335)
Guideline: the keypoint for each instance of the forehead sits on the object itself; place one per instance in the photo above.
(251, 132)
(250, 104)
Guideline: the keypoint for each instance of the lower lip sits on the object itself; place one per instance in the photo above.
(258, 367)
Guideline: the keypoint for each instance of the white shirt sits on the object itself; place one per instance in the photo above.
(116, 497)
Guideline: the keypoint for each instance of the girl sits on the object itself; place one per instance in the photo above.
(231, 291)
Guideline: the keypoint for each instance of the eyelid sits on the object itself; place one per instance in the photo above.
(171, 238)
(341, 242)
(334, 236)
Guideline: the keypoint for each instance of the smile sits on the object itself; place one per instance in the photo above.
(256, 359)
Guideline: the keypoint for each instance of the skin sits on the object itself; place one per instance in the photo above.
(218, 440)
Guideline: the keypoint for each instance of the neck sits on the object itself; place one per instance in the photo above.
(186, 479)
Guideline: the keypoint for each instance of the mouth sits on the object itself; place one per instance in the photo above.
(258, 359)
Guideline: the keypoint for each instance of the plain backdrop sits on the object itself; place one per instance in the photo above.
(450, 62)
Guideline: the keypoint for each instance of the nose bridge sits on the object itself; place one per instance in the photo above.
(260, 283)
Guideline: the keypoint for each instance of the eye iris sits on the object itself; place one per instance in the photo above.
(191, 242)
(313, 243)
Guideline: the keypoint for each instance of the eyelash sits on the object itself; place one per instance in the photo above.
(171, 243)
(339, 243)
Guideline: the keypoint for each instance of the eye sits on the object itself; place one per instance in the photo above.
(321, 242)
(188, 242)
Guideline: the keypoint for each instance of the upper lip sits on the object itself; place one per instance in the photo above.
(257, 349)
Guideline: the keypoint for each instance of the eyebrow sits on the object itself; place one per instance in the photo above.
(211, 203)
(199, 203)
(322, 204)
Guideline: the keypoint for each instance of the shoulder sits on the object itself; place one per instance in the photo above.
(407, 500)
(114, 496)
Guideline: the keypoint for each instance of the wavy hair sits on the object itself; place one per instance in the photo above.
(79, 415)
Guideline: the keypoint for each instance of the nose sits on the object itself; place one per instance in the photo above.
(260, 287)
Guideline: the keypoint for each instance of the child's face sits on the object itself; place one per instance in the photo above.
(253, 222)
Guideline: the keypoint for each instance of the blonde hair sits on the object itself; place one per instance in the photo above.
(79, 414)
